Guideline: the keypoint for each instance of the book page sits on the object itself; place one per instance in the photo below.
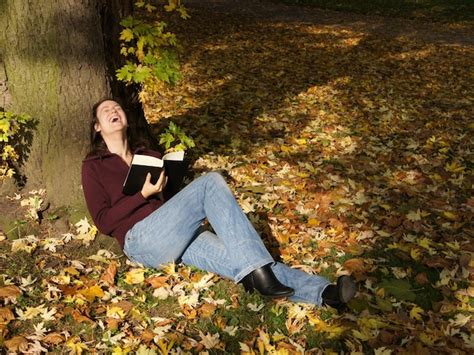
(174, 156)
(147, 160)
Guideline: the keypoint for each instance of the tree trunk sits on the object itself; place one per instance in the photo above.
(56, 67)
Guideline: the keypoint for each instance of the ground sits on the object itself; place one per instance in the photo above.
(347, 140)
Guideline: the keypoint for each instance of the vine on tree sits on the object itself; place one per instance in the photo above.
(149, 49)
(15, 136)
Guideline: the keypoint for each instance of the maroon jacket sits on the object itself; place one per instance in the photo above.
(113, 212)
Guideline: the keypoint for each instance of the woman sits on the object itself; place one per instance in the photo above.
(153, 232)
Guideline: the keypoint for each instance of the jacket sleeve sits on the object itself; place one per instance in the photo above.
(106, 217)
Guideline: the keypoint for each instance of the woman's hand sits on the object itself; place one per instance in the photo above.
(150, 189)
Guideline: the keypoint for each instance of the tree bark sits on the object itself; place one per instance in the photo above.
(60, 57)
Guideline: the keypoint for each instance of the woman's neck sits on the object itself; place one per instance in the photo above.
(118, 146)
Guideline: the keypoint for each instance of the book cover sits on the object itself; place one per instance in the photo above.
(173, 163)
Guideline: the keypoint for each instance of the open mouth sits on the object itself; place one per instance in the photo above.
(114, 119)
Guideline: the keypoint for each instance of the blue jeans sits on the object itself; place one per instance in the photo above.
(172, 233)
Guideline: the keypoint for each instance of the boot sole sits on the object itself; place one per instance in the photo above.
(347, 288)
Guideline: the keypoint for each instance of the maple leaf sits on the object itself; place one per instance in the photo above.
(27, 244)
(414, 216)
(30, 312)
(135, 276)
(76, 346)
(115, 312)
(92, 292)
(210, 341)
(416, 312)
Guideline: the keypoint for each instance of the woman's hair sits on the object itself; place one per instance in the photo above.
(135, 139)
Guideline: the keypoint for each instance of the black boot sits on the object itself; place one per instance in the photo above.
(265, 282)
(338, 295)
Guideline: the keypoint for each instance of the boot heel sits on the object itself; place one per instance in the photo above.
(264, 281)
(248, 287)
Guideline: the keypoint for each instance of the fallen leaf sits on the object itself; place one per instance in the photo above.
(9, 291)
(53, 338)
(135, 276)
(16, 344)
(92, 292)
(109, 274)
(207, 310)
(6, 315)
(355, 265)
(157, 281)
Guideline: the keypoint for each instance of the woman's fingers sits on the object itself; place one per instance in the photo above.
(161, 178)
(148, 178)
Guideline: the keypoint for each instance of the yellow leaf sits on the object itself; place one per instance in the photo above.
(91, 293)
(115, 312)
(416, 313)
(313, 222)
(415, 253)
(414, 216)
(450, 215)
(135, 276)
(428, 339)
(454, 167)
(126, 35)
(76, 346)
(71, 270)
(364, 335)
(302, 141)
(371, 323)
(286, 149)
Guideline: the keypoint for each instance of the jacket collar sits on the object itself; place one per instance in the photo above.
(108, 154)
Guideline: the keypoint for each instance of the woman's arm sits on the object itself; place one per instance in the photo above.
(106, 216)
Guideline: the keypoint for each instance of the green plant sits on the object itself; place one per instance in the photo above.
(174, 134)
(149, 49)
(15, 134)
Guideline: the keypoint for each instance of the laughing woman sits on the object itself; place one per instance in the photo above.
(154, 232)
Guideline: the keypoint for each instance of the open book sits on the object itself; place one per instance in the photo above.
(175, 168)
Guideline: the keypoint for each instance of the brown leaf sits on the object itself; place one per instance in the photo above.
(17, 344)
(422, 279)
(3, 330)
(6, 315)
(355, 265)
(157, 281)
(68, 290)
(147, 336)
(386, 337)
(393, 221)
(9, 291)
(437, 261)
(113, 323)
(53, 338)
(79, 318)
(207, 310)
(464, 260)
(125, 305)
(189, 313)
(109, 274)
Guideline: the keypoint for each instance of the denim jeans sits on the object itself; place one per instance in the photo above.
(172, 233)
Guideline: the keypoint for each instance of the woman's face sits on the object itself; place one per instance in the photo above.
(110, 118)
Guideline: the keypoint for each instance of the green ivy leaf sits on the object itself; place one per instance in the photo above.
(400, 289)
